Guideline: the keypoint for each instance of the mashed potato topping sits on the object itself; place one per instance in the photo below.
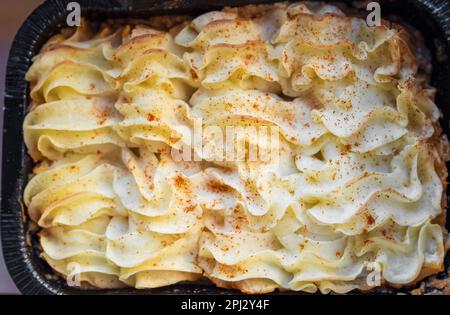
(354, 194)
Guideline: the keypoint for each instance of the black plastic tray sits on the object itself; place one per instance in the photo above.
(30, 273)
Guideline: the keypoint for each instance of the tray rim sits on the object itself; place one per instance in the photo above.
(16, 246)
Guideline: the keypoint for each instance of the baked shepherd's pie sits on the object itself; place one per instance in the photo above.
(137, 183)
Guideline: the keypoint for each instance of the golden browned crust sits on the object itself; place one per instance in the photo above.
(249, 286)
